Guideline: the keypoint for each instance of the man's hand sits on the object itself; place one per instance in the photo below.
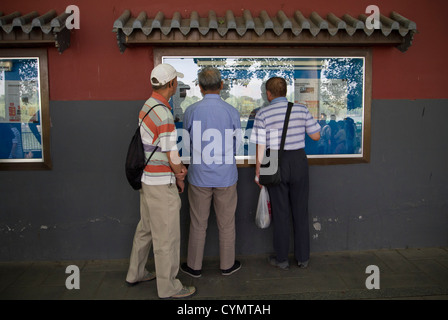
(180, 185)
(180, 179)
(257, 177)
(259, 158)
(182, 174)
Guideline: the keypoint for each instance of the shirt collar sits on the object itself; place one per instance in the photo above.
(161, 98)
(278, 99)
(212, 95)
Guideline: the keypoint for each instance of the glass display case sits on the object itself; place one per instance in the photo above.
(24, 117)
(334, 84)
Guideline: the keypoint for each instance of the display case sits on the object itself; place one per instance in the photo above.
(24, 110)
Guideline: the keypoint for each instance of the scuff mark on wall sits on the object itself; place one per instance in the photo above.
(22, 227)
(317, 226)
(320, 224)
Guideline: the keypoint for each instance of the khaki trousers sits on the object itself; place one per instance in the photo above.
(224, 202)
(159, 226)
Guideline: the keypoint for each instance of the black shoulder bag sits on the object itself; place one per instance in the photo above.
(270, 174)
(135, 158)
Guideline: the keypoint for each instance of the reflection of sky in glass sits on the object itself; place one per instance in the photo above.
(190, 71)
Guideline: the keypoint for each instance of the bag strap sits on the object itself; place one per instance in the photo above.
(159, 104)
(285, 128)
(150, 156)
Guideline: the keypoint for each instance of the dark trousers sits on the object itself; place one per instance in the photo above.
(291, 198)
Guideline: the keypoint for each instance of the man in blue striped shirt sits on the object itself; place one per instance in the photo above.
(292, 193)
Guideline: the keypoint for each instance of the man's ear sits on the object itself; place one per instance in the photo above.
(201, 89)
(222, 85)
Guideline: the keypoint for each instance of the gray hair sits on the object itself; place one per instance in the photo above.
(210, 79)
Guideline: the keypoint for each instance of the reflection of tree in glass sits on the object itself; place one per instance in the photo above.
(29, 89)
(188, 101)
(28, 79)
(240, 71)
(341, 93)
(350, 69)
(248, 73)
(333, 97)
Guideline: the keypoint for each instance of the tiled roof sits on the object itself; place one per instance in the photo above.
(17, 29)
(294, 29)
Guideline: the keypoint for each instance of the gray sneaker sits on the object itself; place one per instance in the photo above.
(185, 292)
(282, 265)
(303, 265)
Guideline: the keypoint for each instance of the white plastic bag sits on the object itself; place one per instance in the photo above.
(263, 215)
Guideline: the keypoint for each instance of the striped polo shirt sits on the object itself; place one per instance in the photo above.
(158, 132)
(268, 125)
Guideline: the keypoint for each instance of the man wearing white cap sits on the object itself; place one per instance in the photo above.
(162, 180)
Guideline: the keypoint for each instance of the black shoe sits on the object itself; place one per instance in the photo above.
(186, 269)
(236, 266)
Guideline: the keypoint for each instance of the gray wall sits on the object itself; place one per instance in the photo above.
(84, 209)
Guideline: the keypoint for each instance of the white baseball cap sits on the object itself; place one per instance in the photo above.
(163, 74)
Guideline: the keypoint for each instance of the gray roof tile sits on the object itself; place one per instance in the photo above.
(50, 24)
(280, 24)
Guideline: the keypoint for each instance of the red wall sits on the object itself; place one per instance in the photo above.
(94, 69)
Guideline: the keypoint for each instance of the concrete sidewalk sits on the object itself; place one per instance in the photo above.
(402, 274)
